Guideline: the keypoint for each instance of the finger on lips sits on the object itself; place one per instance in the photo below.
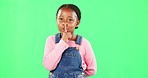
(65, 28)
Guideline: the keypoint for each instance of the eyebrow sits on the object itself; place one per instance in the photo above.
(68, 16)
(60, 16)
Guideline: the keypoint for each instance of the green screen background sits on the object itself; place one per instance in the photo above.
(116, 29)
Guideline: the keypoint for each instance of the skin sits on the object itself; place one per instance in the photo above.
(67, 20)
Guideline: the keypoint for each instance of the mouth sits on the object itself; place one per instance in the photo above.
(63, 30)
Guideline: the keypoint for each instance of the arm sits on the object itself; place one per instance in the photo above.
(53, 53)
(90, 60)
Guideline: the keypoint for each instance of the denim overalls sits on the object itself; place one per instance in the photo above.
(70, 65)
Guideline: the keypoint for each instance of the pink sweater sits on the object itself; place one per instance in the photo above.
(53, 53)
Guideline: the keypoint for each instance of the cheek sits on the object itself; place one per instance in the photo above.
(72, 25)
(59, 25)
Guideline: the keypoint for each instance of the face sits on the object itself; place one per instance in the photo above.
(66, 17)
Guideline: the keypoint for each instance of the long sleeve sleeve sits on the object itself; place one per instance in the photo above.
(53, 53)
(90, 60)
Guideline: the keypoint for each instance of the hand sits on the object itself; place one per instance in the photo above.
(66, 35)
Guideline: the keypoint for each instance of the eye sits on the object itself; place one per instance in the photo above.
(60, 18)
(70, 19)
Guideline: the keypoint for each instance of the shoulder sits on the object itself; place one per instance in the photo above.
(50, 38)
(85, 41)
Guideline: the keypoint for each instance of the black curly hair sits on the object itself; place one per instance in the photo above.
(74, 8)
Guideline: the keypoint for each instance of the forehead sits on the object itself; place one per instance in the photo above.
(66, 12)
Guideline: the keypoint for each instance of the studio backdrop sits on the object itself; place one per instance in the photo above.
(116, 29)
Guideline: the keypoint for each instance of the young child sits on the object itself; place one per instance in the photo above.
(67, 55)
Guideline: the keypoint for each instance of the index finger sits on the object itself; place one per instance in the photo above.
(65, 28)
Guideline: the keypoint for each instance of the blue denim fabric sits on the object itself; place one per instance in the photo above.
(70, 65)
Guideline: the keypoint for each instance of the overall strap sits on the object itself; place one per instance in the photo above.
(57, 37)
(79, 40)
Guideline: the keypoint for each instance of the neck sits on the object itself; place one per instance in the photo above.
(73, 38)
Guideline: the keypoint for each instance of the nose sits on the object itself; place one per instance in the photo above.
(65, 24)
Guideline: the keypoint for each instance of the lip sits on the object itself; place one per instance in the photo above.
(64, 30)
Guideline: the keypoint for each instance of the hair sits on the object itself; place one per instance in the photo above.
(74, 8)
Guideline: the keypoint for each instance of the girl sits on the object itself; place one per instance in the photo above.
(67, 55)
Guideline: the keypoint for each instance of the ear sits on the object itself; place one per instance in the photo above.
(78, 22)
